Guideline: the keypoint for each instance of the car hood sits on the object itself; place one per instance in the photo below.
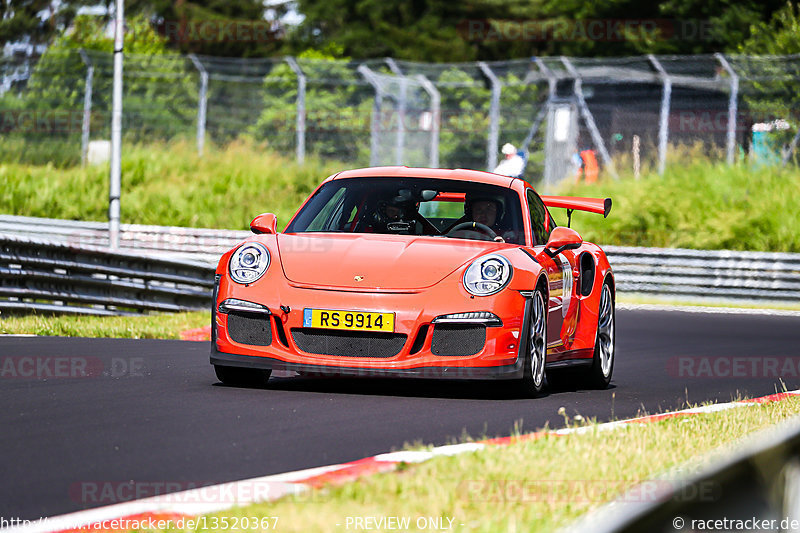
(365, 261)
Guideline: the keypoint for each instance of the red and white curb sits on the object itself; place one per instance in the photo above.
(196, 334)
(209, 499)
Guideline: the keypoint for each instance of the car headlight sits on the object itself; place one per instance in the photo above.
(488, 275)
(249, 262)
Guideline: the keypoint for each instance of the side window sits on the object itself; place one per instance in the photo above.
(329, 213)
(539, 218)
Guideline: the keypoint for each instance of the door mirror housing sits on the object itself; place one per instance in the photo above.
(562, 239)
(264, 223)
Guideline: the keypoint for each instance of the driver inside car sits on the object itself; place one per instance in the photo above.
(484, 210)
(399, 214)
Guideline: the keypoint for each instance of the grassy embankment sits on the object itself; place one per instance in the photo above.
(169, 185)
(696, 204)
(160, 326)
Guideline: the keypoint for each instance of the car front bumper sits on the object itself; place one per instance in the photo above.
(284, 344)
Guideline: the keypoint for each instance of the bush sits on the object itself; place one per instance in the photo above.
(699, 205)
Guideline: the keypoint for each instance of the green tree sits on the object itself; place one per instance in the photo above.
(779, 36)
(440, 30)
(230, 28)
(35, 21)
(773, 84)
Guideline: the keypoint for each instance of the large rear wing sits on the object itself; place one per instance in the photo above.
(601, 206)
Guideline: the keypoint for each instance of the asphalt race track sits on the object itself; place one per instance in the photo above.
(153, 412)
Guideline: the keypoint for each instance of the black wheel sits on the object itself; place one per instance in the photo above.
(234, 375)
(599, 375)
(536, 346)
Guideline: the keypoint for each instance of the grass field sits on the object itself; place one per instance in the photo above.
(169, 185)
(161, 326)
(534, 485)
(696, 204)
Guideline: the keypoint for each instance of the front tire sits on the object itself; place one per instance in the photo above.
(238, 376)
(536, 346)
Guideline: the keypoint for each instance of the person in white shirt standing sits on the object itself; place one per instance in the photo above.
(512, 165)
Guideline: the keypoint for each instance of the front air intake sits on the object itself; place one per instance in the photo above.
(249, 328)
(458, 339)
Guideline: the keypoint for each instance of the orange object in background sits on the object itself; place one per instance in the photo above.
(590, 167)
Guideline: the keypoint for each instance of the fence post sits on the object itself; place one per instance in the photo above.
(87, 106)
(537, 121)
(792, 147)
(551, 78)
(588, 118)
(732, 107)
(494, 117)
(663, 123)
(375, 124)
(301, 109)
(436, 105)
(201, 104)
(401, 111)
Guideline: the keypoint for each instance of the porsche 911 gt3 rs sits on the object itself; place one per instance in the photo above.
(418, 272)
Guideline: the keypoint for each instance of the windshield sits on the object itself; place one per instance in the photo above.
(413, 206)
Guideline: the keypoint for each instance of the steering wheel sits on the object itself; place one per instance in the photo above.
(483, 228)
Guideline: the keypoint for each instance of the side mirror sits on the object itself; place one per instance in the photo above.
(265, 223)
(562, 239)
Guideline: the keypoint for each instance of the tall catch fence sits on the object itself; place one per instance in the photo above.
(629, 114)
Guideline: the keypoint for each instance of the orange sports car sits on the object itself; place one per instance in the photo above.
(418, 272)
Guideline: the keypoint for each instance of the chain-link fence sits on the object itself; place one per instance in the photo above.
(564, 115)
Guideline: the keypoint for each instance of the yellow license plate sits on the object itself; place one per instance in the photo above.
(350, 320)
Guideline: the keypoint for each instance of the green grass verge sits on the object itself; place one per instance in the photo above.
(161, 326)
(696, 204)
(699, 205)
(529, 486)
(169, 185)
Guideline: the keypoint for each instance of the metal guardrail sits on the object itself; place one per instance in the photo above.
(706, 273)
(46, 276)
(693, 274)
(755, 489)
(194, 244)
